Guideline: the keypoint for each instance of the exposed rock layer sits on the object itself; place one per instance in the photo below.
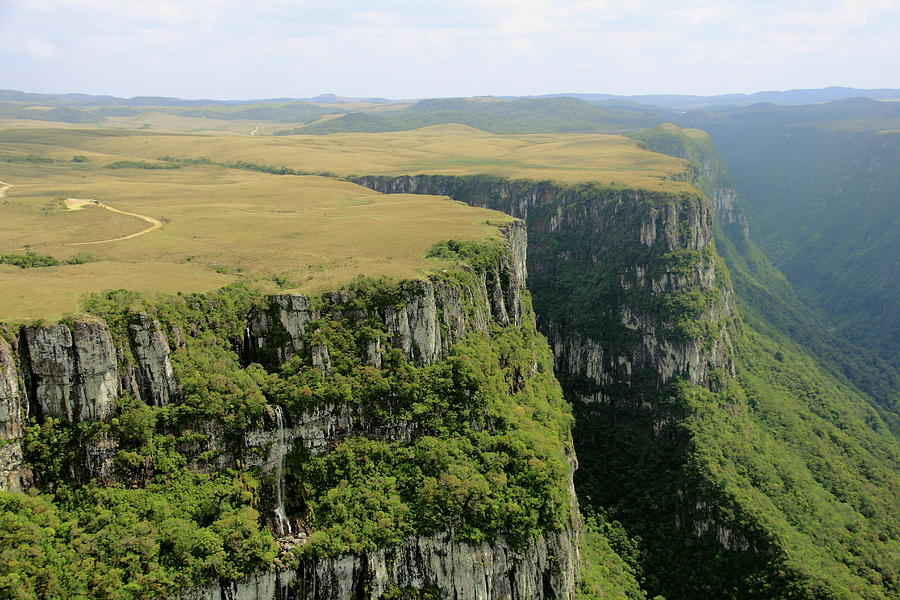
(425, 322)
(568, 232)
(74, 372)
(485, 571)
(71, 371)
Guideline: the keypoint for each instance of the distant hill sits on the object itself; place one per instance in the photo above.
(551, 113)
(788, 97)
(335, 99)
(522, 115)
(83, 108)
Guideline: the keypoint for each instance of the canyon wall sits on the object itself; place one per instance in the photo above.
(80, 372)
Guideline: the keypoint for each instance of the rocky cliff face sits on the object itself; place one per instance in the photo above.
(707, 171)
(424, 321)
(629, 291)
(429, 316)
(457, 570)
(12, 410)
(616, 274)
(14, 474)
(71, 371)
(74, 372)
(152, 377)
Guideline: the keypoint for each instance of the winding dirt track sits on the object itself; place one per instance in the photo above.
(3, 187)
(78, 204)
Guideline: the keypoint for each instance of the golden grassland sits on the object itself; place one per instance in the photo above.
(439, 149)
(220, 225)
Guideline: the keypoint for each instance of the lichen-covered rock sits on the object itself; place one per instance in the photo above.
(320, 358)
(15, 475)
(154, 374)
(415, 324)
(72, 372)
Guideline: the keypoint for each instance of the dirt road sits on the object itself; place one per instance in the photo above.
(79, 203)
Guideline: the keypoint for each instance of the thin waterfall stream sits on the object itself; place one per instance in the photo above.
(278, 452)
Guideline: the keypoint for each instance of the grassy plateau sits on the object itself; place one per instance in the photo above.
(210, 215)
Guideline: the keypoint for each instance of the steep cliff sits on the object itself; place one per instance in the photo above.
(433, 566)
(711, 175)
(629, 291)
(14, 474)
(395, 437)
(625, 281)
(766, 296)
(822, 197)
(705, 438)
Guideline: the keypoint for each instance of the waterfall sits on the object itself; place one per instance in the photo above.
(277, 454)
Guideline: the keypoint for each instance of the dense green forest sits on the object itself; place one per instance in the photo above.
(490, 454)
(819, 185)
(778, 482)
(781, 485)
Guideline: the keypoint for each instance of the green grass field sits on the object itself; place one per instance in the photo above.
(220, 224)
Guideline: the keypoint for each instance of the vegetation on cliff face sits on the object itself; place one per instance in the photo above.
(488, 453)
(610, 562)
(782, 485)
(585, 243)
(768, 301)
(116, 542)
(776, 483)
(487, 456)
(784, 479)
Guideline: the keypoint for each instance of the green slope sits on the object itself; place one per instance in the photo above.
(820, 186)
(767, 299)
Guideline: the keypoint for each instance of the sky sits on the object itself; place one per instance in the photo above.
(227, 49)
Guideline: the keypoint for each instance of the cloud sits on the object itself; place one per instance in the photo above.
(407, 48)
(40, 49)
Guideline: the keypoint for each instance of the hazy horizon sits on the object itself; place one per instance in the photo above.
(339, 95)
(221, 49)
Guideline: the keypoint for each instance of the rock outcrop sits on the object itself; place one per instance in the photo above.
(72, 371)
(546, 569)
(153, 370)
(12, 408)
(425, 321)
(14, 473)
(274, 335)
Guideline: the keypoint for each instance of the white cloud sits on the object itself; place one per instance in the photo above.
(40, 49)
(407, 48)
